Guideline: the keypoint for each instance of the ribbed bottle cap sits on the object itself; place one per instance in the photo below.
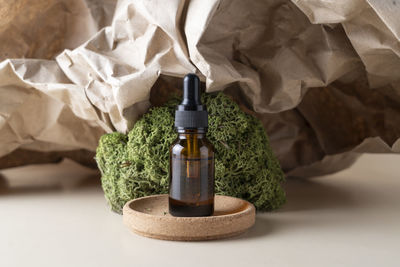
(191, 113)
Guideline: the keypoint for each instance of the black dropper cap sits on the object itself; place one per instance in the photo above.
(191, 114)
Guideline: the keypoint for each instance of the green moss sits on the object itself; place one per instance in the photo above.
(136, 164)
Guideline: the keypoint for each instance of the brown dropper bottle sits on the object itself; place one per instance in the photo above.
(191, 187)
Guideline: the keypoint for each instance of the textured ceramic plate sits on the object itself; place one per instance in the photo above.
(148, 216)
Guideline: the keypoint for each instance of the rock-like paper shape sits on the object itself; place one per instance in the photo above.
(291, 63)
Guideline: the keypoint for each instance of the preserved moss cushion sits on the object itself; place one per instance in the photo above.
(137, 164)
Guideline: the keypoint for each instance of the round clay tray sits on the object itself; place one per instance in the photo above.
(148, 216)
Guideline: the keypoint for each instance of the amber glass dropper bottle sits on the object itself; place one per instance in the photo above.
(191, 187)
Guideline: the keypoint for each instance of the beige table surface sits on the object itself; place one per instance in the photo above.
(56, 215)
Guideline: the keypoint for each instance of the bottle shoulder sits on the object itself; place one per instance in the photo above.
(208, 143)
(201, 142)
(201, 147)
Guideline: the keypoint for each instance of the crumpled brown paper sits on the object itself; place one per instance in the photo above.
(322, 76)
(43, 28)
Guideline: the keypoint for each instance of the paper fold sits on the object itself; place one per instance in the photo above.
(323, 76)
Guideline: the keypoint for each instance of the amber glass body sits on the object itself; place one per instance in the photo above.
(191, 185)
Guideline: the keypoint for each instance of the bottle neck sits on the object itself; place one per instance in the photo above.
(184, 133)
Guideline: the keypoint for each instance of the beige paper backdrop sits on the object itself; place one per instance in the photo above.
(323, 76)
